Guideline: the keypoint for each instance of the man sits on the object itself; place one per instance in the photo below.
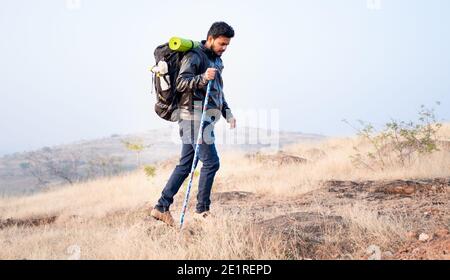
(198, 67)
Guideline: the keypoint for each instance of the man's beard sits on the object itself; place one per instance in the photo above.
(212, 48)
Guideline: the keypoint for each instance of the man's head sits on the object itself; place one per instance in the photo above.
(219, 37)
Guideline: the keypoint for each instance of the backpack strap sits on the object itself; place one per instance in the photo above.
(203, 57)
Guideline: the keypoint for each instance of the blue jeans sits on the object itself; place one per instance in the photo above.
(210, 159)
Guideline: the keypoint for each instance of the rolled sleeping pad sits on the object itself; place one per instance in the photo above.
(182, 45)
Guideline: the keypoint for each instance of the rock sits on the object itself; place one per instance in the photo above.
(424, 237)
(28, 222)
(314, 154)
(302, 231)
(233, 196)
(280, 158)
(385, 188)
(436, 249)
(398, 187)
(409, 187)
(346, 257)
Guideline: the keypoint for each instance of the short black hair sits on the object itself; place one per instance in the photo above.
(220, 28)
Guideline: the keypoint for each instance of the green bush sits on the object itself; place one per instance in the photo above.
(150, 171)
(398, 141)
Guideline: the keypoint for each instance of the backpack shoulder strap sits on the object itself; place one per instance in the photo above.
(203, 58)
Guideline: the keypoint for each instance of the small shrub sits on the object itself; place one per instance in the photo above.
(398, 141)
(150, 171)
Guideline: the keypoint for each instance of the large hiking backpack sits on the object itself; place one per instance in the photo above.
(164, 76)
(165, 72)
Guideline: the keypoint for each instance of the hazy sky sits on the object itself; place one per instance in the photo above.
(68, 74)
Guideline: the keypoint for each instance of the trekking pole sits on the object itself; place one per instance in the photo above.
(196, 151)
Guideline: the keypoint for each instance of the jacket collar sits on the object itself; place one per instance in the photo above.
(211, 54)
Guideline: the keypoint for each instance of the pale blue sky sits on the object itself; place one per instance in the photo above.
(67, 75)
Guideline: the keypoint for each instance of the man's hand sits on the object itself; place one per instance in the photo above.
(210, 74)
(232, 122)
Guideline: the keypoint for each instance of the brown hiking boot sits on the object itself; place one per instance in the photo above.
(203, 217)
(165, 217)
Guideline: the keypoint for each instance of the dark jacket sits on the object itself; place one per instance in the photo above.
(191, 83)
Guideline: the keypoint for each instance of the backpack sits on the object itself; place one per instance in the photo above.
(165, 72)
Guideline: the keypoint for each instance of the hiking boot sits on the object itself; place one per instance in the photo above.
(165, 217)
(204, 216)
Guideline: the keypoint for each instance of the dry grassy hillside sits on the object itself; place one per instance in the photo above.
(266, 207)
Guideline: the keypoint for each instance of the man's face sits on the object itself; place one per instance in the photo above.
(219, 45)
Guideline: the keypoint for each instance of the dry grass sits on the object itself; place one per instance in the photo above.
(107, 217)
(129, 236)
